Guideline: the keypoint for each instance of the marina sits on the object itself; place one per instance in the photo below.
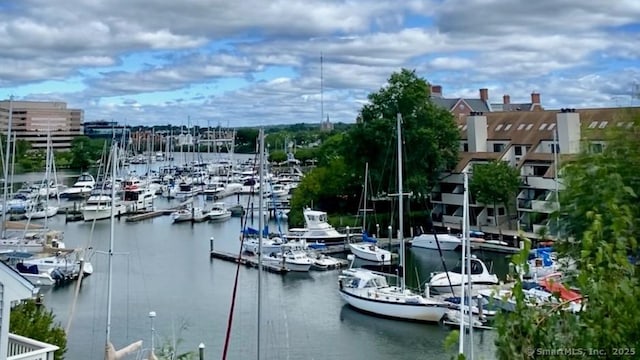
(186, 278)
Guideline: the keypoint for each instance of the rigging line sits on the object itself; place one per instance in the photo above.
(74, 300)
(235, 286)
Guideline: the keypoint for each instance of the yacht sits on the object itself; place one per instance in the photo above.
(99, 204)
(428, 241)
(194, 214)
(219, 212)
(316, 229)
(481, 278)
(294, 260)
(81, 188)
(138, 195)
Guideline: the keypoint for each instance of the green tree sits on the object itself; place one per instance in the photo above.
(495, 183)
(34, 321)
(430, 135)
(277, 156)
(246, 140)
(85, 152)
(599, 213)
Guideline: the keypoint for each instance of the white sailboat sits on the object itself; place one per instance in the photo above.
(110, 352)
(42, 209)
(367, 248)
(369, 291)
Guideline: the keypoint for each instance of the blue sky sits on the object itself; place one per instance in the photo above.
(257, 62)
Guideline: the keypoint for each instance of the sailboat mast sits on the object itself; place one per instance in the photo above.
(364, 216)
(47, 176)
(111, 238)
(463, 273)
(260, 227)
(465, 236)
(321, 89)
(400, 202)
(6, 168)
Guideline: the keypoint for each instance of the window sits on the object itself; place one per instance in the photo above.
(489, 211)
(518, 150)
(529, 127)
(464, 127)
(465, 147)
(593, 125)
(521, 126)
(499, 127)
(596, 148)
(507, 127)
(603, 124)
(498, 147)
(542, 126)
(551, 126)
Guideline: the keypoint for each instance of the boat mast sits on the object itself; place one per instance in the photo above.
(463, 273)
(47, 175)
(364, 216)
(465, 236)
(260, 227)
(6, 169)
(400, 203)
(111, 238)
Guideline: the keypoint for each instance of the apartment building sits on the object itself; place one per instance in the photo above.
(461, 107)
(34, 120)
(537, 143)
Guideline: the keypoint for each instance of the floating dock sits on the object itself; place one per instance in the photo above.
(248, 260)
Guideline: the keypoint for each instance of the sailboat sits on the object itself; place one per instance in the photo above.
(42, 209)
(367, 248)
(110, 352)
(369, 291)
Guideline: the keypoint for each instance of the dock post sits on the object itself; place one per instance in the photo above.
(390, 235)
(378, 231)
(193, 215)
(211, 244)
(348, 239)
(201, 351)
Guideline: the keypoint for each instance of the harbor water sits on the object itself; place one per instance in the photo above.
(166, 268)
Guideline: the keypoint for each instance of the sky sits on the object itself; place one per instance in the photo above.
(257, 62)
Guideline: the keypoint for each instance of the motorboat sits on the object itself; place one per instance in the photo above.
(316, 229)
(219, 212)
(81, 188)
(368, 250)
(194, 214)
(65, 262)
(428, 241)
(269, 245)
(446, 282)
(293, 260)
(99, 204)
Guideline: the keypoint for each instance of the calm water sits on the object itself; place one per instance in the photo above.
(165, 267)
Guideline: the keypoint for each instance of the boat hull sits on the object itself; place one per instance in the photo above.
(405, 311)
(447, 242)
(370, 252)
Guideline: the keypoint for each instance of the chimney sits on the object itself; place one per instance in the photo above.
(477, 132)
(506, 99)
(535, 98)
(436, 90)
(484, 94)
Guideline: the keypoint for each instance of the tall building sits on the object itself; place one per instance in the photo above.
(34, 120)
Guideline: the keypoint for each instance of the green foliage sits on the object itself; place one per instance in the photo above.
(36, 322)
(168, 349)
(495, 183)
(22, 148)
(246, 140)
(430, 135)
(599, 212)
(85, 152)
(322, 187)
(277, 156)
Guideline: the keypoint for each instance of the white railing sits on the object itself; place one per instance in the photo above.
(24, 348)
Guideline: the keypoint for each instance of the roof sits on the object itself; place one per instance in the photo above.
(21, 284)
(449, 104)
(467, 157)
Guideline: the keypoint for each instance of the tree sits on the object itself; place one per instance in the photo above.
(599, 211)
(495, 183)
(85, 152)
(32, 320)
(430, 135)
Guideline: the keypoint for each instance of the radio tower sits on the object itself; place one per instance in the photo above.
(321, 91)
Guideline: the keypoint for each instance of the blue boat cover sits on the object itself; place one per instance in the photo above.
(367, 238)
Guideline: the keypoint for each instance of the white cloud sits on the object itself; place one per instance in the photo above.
(572, 52)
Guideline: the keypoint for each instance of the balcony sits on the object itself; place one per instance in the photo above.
(24, 348)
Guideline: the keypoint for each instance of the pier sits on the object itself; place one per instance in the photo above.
(245, 259)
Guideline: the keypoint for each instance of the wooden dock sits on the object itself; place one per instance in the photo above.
(247, 260)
